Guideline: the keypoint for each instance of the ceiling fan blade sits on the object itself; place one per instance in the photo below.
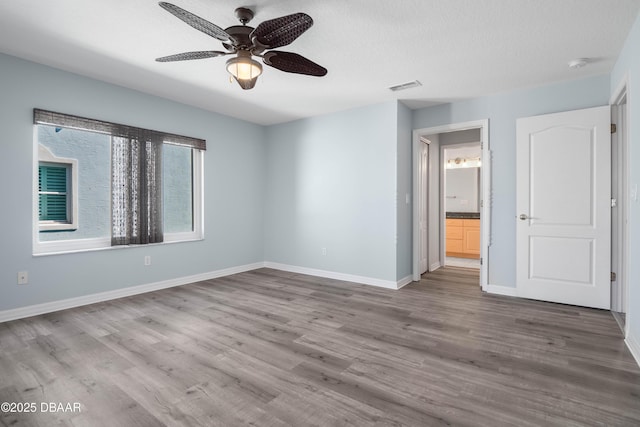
(185, 56)
(281, 31)
(293, 63)
(196, 22)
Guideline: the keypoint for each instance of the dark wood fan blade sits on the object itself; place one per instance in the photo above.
(196, 22)
(186, 56)
(281, 31)
(293, 63)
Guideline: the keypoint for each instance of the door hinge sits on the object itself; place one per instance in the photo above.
(614, 128)
(480, 261)
(613, 276)
(614, 203)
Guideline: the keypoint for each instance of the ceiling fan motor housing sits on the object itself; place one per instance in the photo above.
(244, 15)
(239, 35)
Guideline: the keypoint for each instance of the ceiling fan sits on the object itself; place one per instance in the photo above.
(245, 42)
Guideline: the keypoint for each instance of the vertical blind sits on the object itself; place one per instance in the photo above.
(136, 174)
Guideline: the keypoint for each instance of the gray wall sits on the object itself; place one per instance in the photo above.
(331, 183)
(234, 188)
(460, 137)
(502, 110)
(628, 65)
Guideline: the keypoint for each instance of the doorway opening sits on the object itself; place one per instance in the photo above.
(462, 189)
(429, 209)
(619, 206)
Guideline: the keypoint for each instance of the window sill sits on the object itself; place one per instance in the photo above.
(57, 226)
(93, 245)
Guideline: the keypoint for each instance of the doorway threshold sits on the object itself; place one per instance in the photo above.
(462, 262)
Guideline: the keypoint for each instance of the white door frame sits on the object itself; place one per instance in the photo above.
(423, 204)
(485, 210)
(621, 137)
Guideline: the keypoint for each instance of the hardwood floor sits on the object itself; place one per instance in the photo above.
(269, 348)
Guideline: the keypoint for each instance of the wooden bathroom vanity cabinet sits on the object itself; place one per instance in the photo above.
(463, 237)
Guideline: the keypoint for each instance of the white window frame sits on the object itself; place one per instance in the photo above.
(104, 243)
(46, 157)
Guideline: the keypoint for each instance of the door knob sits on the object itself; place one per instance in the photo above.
(524, 217)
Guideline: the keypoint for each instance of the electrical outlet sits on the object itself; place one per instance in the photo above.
(324, 251)
(23, 278)
(147, 260)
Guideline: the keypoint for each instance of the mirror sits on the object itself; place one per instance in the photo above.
(462, 190)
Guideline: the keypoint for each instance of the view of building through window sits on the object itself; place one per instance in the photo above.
(93, 154)
(177, 178)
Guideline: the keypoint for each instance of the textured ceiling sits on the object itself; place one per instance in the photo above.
(456, 48)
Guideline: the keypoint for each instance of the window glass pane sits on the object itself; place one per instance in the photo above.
(53, 207)
(52, 197)
(93, 153)
(177, 172)
(53, 179)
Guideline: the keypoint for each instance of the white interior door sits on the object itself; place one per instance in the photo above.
(563, 207)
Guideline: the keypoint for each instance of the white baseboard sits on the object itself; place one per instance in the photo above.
(389, 284)
(436, 265)
(49, 307)
(634, 347)
(404, 281)
(501, 290)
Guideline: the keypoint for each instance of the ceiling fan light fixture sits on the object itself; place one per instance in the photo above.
(244, 69)
(246, 84)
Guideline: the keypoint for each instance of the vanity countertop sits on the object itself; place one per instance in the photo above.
(464, 215)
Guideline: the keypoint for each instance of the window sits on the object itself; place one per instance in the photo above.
(177, 176)
(57, 192)
(53, 201)
(102, 184)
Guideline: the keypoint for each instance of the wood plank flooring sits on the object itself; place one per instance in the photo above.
(270, 348)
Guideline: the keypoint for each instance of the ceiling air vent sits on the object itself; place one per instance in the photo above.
(405, 86)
